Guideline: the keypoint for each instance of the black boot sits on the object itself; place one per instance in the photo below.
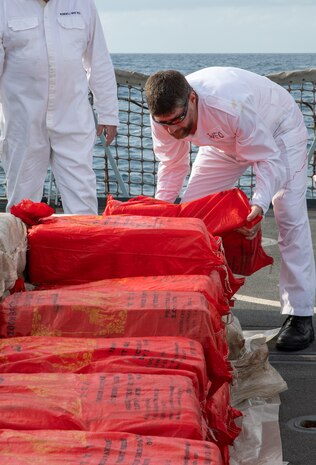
(296, 333)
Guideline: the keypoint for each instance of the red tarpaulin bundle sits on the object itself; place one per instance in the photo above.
(78, 447)
(97, 313)
(151, 355)
(160, 405)
(222, 213)
(78, 249)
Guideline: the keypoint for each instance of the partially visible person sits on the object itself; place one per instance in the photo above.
(51, 53)
(239, 120)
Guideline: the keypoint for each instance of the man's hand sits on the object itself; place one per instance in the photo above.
(109, 132)
(251, 233)
(255, 211)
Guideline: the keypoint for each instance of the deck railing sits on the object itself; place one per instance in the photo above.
(132, 154)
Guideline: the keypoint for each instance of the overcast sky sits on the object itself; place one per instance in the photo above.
(209, 26)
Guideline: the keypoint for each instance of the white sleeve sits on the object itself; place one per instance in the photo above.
(100, 72)
(173, 156)
(255, 143)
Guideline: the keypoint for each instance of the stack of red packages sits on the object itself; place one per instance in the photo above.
(125, 333)
(151, 355)
(105, 313)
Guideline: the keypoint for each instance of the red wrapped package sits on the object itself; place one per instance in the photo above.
(78, 249)
(31, 212)
(222, 213)
(141, 205)
(62, 312)
(151, 355)
(210, 286)
(79, 447)
(159, 405)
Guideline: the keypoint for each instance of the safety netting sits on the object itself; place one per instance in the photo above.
(132, 152)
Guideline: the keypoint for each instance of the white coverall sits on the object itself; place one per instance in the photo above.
(49, 54)
(247, 120)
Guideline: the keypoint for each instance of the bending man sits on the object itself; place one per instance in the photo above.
(240, 119)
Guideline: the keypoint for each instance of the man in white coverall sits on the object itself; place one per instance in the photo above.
(240, 119)
(50, 52)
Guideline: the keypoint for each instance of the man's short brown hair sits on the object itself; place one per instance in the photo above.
(165, 91)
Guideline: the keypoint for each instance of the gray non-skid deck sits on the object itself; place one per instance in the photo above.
(256, 307)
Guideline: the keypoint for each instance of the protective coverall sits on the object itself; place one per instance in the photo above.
(247, 120)
(50, 54)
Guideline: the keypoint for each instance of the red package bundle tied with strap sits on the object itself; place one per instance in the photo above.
(79, 447)
(160, 405)
(78, 249)
(62, 312)
(151, 355)
(222, 213)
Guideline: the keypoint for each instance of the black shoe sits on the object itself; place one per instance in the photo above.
(296, 333)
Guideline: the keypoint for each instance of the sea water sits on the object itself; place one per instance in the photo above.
(261, 63)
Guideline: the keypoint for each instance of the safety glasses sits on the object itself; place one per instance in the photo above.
(177, 119)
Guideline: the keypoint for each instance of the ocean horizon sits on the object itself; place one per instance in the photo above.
(261, 63)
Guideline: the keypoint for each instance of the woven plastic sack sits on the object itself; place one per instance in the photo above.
(62, 312)
(13, 245)
(151, 355)
(78, 249)
(259, 442)
(254, 376)
(78, 447)
(222, 213)
(160, 405)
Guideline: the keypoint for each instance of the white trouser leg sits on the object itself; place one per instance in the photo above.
(25, 163)
(297, 272)
(71, 162)
(212, 171)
